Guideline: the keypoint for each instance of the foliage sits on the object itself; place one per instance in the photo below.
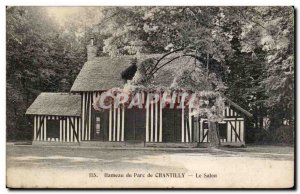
(272, 30)
(245, 73)
(284, 135)
(40, 57)
(253, 48)
(246, 52)
(134, 30)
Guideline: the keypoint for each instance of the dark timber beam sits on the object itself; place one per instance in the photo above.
(234, 129)
(188, 129)
(40, 127)
(204, 135)
(73, 127)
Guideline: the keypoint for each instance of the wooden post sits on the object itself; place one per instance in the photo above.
(190, 125)
(160, 121)
(201, 130)
(123, 121)
(188, 135)
(82, 118)
(118, 125)
(35, 127)
(45, 128)
(151, 123)
(86, 127)
(64, 129)
(147, 119)
(114, 125)
(156, 122)
(79, 129)
(60, 130)
(182, 125)
(90, 116)
(68, 129)
(71, 131)
(110, 125)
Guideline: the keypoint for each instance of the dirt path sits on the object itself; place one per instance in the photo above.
(250, 167)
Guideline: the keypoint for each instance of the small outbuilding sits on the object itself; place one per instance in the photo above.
(57, 117)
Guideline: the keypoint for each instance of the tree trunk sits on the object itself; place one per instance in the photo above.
(213, 136)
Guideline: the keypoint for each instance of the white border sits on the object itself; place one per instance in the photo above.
(152, 2)
(3, 4)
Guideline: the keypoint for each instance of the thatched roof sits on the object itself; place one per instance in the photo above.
(56, 104)
(103, 73)
(245, 112)
(165, 76)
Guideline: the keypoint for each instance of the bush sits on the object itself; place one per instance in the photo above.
(19, 135)
(263, 136)
(281, 135)
(284, 135)
(258, 136)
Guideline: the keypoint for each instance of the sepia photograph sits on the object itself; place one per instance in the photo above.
(150, 97)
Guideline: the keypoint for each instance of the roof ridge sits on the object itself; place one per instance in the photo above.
(61, 93)
(120, 56)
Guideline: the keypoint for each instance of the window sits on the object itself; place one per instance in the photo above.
(223, 130)
(53, 128)
(205, 125)
(97, 125)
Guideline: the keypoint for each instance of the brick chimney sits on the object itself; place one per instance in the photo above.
(91, 50)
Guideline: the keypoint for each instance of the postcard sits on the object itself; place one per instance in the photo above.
(150, 97)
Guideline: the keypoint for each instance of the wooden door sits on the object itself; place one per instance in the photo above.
(53, 128)
(129, 125)
(135, 124)
(140, 125)
(100, 126)
(171, 125)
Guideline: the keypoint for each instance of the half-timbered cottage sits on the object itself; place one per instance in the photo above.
(57, 117)
(71, 117)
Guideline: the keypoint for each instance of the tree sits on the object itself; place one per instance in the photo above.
(244, 75)
(250, 48)
(272, 30)
(40, 57)
(194, 31)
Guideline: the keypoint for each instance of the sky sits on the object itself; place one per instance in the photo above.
(64, 14)
(60, 14)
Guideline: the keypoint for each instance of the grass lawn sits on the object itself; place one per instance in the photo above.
(253, 166)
